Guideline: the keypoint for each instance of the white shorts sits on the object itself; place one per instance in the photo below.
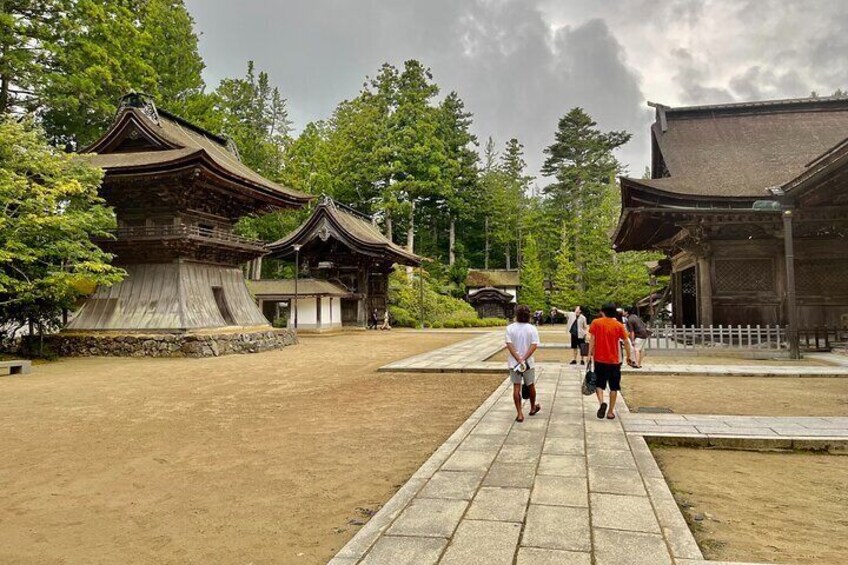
(639, 343)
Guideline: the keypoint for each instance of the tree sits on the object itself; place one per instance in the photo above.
(581, 161)
(26, 28)
(98, 51)
(52, 212)
(532, 291)
(566, 293)
(254, 115)
(461, 173)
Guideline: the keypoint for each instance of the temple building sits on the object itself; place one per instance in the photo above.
(177, 190)
(493, 292)
(749, 202)
(346, 261)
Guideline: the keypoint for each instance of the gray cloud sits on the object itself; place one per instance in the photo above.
(521, 64)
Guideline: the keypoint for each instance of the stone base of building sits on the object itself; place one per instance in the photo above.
(213, 343)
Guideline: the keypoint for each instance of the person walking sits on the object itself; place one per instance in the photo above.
(638, 334)
(606, 333)
(522, 339)
(374, 320)
(577, 327)
(386, 325)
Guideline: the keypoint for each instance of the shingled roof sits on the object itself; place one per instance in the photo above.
(144, 139)
(479, 278)
(739, 150)
(333, 220)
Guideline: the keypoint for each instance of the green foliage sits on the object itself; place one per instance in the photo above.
(532, 291)
(98, 51)
(405, 302)
(566, 293)
(51, 213)
(255, 117)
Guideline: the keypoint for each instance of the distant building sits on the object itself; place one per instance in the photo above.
(750, 203)
(493, 292)
(339, 248)
(319, 302)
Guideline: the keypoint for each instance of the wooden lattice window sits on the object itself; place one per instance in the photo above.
(822, 277)
(744, 275)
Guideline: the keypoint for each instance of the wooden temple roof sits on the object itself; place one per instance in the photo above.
(144, 140)
(331, 220)
(712, 163)
(266, 288)
(492, 277)
(490, 294)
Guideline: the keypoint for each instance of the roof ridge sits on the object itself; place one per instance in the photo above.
(751, 104)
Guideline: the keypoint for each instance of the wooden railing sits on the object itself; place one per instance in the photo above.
(182, 230)
(822, 338)
(730, 337)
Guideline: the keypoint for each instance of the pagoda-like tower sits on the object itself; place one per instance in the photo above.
(177, 190)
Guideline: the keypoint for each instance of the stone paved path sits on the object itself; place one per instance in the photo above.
(561, 487)
(470, 356)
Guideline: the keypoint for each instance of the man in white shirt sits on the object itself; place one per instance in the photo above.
(522, 339)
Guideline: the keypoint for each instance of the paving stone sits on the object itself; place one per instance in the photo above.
(469, 461)
(564, 446)
(610, 458)
(479, 542)
(518, 436)
(429, 517)
(510, 475)
(536, 556)
(562, 465)
(393, 550)
(557, 527)
(608, 441)
(459, 485)
(619, 512)
(482, 442)
(632, 548)
(499, 503)
(572, 430)
(519, 454)
(728, 431)
(616, 481)
(560, 491)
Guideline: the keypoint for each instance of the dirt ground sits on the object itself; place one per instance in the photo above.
(262, 458)
(794, 513)
(747, 396)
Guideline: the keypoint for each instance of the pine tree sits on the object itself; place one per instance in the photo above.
(566, 293)
(532, 291)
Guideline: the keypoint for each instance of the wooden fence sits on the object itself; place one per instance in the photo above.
(717, 337)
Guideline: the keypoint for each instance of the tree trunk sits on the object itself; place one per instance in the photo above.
(452, 241)
(486, 256)
(410, 233)
(507, 254)
(389, 225)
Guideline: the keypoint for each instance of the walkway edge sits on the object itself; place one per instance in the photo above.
(359, 544)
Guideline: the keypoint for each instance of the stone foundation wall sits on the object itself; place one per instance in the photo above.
(80, 344)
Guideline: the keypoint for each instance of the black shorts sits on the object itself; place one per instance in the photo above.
(576, 341)
(608, 373)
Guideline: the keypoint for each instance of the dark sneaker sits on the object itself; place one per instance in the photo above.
(573, 363)
(602, 411)
(582, 362)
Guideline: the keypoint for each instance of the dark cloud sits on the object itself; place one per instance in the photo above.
(515, 73)
(521, 64)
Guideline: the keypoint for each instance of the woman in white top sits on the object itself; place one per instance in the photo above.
(578, 328)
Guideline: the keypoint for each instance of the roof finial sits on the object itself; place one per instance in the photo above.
(143, 102)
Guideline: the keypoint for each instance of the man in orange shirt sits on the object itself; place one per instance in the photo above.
(605, 335)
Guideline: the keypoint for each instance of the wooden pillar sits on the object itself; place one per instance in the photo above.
(791, 302)
(318, 313)
(705, 291)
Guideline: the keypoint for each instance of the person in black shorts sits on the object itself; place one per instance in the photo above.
(607, 334)
(578, 329)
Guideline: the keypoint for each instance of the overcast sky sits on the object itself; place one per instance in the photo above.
(520, 65)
